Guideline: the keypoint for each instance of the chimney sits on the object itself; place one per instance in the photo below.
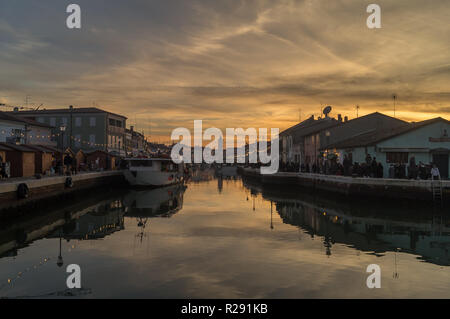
(131, 128)
(346, 119)
(339, 117)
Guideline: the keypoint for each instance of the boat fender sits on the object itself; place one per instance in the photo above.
(68, 183)
(22, 191)
(21, 236)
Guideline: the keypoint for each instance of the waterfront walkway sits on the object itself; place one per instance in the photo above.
(10, 185)
(394, 188)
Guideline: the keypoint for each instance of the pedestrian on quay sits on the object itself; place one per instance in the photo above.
(422, 171)
(374, 167)
(391, 171)
(412, 169)
(368, 159)
(346, 163)
(380, 172)
(74, 165)
(435, 174)
(67, 163)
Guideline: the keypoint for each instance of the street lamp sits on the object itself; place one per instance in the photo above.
(62, 128)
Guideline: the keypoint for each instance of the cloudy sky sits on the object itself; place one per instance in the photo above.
(232, 63)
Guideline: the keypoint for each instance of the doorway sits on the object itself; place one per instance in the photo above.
(441, 161)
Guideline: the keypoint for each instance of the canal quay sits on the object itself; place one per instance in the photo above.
(225, 237)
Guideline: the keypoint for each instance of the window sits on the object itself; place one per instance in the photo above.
(141, 163)
(92, 139)
(397, 157)
(119, 123)
(112, 122)
(77, 140)
(41, 120)
(64, 121)
(53, 121)
(78, 121)
(92, 121)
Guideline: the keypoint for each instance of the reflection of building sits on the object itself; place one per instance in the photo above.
(369, 234)
(430, 240)
(85, 217)
(106, 220)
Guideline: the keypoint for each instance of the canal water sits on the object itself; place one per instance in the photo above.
(224, 238)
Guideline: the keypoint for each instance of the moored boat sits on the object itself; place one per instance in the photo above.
(153, 172)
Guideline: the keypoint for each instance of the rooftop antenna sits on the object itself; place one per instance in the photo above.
(394, 97)
(327, 110)
(27, 98)
(357, 110)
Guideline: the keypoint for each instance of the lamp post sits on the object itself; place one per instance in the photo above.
(62, 129)
(71, 125)
(60, 261)
(271, 219)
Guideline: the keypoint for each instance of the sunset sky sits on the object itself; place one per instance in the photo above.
(230, 63)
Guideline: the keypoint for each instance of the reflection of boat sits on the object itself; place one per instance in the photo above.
(160, 202)
(227, 170)
(153, 172)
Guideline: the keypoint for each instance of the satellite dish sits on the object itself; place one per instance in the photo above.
(327, 110)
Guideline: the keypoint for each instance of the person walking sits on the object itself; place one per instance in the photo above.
(435, 174)
(346, 163)
(374, 167)
(380, 172)
(67, 163)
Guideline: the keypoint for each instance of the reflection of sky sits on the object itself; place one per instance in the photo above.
(217, 246)
(234, 64)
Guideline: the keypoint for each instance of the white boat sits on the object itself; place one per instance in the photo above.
(153, 172)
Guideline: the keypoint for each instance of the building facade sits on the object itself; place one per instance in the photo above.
(17, 130)
(82, 128)
(426, 142)
(135, 142)
(300, 144)
(306, 142)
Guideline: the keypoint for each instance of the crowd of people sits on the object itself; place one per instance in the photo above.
(3, 168)
(370, 168)
(68, 165)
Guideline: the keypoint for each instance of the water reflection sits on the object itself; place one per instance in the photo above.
(428, 237)
(220, 237)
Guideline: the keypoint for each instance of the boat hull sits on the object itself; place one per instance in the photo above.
(152, 178)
